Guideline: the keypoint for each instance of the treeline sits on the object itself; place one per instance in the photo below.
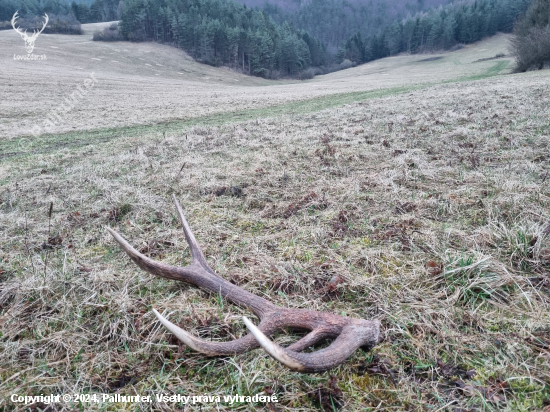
(32, 8)
(531, 43)
(64, 24)
(437, 29)
(99, 10)
(262, 43)
(334, 21)
(223, 32)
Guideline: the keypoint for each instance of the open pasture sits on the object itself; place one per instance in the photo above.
(147, 83)
(389, 191)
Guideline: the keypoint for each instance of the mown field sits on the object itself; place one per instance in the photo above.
(421, 201)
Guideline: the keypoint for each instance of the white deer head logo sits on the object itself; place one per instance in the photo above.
(29, 41)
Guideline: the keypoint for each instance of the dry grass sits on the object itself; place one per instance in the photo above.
(144, 83)
(433, 209)
(428, 210)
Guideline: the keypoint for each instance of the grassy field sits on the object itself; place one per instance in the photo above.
(412, 190)
(150, 83)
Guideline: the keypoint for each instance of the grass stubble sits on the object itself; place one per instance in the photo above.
(428, 210)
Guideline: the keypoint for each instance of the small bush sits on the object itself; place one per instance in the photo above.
(60, 24)
(457, 47)
(531, 43)
(317, 71)
(110, 33)
(307, 74)
(532, 51)
(346, 64)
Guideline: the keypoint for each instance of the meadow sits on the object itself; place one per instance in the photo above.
(414, 190)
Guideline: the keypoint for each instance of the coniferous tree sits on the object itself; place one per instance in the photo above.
(440, 28)
(531, 43)
(222, 32)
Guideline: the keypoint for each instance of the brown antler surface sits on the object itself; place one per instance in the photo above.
(348, 333)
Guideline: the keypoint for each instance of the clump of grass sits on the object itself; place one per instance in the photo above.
(118, 213)
(520, 244)
(471, 282)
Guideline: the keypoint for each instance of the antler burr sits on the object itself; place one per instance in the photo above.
(348, 333)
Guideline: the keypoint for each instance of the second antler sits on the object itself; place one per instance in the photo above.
(348, 333)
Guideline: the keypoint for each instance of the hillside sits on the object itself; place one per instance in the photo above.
(141, 83)
(413, 190)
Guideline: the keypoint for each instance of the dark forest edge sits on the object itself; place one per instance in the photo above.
(98, 11)
(223, 32)
(64, 17)
(531, 43)
(251, 41)
(61, 24)
(438, 29)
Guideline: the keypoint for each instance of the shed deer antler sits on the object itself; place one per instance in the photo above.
(349, 333)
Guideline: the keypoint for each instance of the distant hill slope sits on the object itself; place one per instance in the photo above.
(144, 83)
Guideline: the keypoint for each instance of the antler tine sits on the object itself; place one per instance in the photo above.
(149, 265)
(276, 351)
(196, 252)
(198, 274)
(352, 337)
(212, 348)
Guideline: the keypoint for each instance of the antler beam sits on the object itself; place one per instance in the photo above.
(348, 333)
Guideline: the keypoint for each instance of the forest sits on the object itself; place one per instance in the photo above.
(278, 41)
(437, 29)
(223, 32)
(84, 12)
(334, 21)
